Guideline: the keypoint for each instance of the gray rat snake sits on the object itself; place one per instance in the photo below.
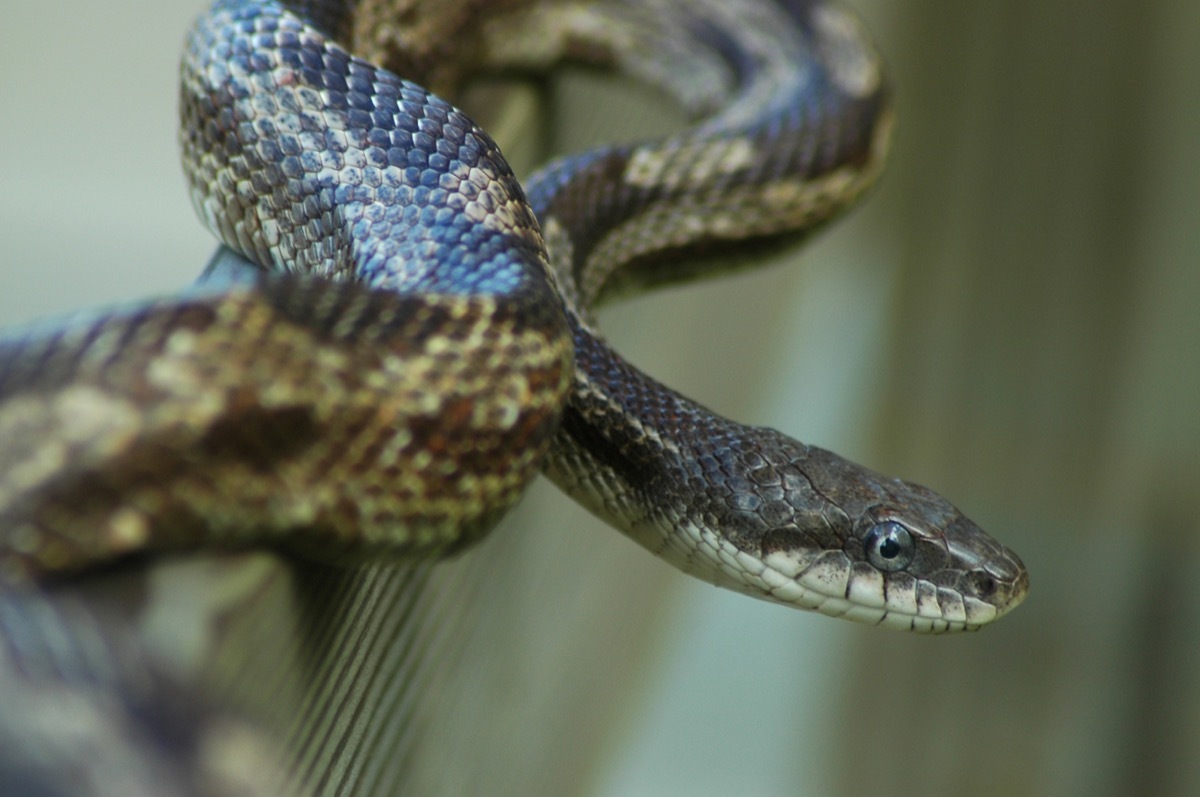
(418, 340)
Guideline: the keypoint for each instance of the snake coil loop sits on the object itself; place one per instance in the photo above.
(417, 340)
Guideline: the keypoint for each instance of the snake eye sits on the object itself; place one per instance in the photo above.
(889, 546)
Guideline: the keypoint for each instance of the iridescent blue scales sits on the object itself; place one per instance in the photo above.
(412, 351)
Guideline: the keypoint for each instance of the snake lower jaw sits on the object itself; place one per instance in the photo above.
(836, 587)
(939, 611)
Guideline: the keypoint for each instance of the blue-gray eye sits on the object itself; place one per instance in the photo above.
(889, 546)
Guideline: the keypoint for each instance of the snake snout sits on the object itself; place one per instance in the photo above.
(992, 574)
(1003, 583)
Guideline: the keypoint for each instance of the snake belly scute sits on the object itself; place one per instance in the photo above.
(419, 338)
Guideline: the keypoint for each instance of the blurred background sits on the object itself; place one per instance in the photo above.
(1012, 319)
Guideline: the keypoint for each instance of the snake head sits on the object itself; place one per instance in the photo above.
(916, 562)
(805, 527)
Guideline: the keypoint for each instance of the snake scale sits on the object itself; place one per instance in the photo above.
(417, 341)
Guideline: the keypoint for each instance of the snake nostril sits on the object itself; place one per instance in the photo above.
(983, 584)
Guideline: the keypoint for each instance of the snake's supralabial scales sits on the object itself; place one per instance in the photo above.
(417, 340)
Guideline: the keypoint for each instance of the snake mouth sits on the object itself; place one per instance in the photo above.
(975, 599)
(834, 585)
(980, 597)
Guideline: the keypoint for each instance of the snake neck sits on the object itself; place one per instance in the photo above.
(640, 434)
(673, 475)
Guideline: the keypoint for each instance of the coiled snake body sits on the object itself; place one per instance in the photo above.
(418, 341)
